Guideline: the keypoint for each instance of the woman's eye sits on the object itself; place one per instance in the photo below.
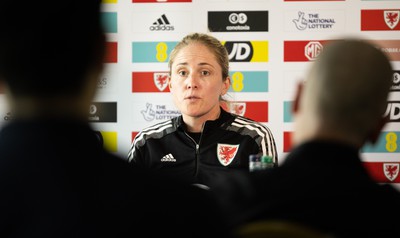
(182, 73)
(205, 73)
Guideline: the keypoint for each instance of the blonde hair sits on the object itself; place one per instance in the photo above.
(212, 43)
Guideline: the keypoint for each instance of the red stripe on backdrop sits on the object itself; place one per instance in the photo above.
(378, 20)
(287, 141)
(384, 172)
(134, 133)
(257, 111)
(315, 0)
(144, 1)
(149, 82)
(111, 52)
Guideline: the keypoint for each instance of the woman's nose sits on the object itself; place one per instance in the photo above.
(192, 81)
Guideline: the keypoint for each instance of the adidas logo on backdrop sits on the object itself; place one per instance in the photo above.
(162, 24)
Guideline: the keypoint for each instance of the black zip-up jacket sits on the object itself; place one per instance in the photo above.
(224, 147)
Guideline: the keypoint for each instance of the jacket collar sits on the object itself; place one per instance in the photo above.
(223, 119)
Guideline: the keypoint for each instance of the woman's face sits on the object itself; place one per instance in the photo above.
(196, 82)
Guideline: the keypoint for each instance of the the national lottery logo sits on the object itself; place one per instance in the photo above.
(312, 50)
(391, 170)
(148, 113)
(391, 18)
(158, 112)
(315, 21)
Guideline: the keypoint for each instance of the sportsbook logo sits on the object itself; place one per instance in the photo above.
(393, 111)
(247, 51)
(103, 112)
(389, 47)
(162, 24)
(380, 20)
(396, 81)
(238, 21)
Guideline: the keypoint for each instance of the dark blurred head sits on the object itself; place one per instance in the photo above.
(48, 47)
(347, 88)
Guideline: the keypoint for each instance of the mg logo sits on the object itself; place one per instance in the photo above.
(313, 49)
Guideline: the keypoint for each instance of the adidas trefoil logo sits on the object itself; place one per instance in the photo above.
(168, 158)
(162, 24)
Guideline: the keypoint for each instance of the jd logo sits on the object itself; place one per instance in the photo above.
(239, 51)
(393, 111)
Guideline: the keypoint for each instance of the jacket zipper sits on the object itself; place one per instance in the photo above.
(197, 150)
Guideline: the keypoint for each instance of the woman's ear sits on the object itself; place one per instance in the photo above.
(169, 82)
(226, 85)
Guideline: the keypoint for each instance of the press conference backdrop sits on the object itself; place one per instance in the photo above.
(271, 43)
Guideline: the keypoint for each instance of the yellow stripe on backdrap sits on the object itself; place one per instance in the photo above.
(260, 53)
(110, 140)
(109, 1)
